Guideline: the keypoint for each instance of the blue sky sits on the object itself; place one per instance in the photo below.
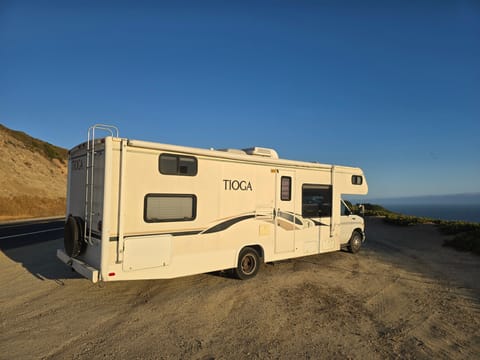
(392, 87)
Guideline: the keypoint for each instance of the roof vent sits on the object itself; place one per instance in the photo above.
(233, 151)
(259, 151)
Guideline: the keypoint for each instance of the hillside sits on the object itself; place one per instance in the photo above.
(33, 176)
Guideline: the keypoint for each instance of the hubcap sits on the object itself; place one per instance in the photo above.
(356, 243)
(248, 264)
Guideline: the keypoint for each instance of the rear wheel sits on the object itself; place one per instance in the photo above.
(355, 242)
(73, 236)
(248, 264)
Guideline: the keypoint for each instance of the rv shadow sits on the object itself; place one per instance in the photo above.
(41, 260)
(228, 274)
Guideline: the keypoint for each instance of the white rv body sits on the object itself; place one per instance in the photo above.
(147, 210)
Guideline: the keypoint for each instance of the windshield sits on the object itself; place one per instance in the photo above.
(345, 210)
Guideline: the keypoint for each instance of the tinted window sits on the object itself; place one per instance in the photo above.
(316, 201)
(170, 164)
(169, 207)
(344, 210)
(357, 180)
(286, 188)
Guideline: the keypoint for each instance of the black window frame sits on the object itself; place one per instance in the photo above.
(156, 195)
(289, 178)
(178, 165)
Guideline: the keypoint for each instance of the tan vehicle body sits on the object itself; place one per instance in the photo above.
(156, 211)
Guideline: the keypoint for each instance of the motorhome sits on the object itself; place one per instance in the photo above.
(146, 210)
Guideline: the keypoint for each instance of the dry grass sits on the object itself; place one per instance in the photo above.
(35, 145)
(18, 207)
(33, 177)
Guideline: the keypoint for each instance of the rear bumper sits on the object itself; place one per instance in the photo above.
(79, 266)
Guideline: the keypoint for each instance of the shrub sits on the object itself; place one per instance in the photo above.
(406, 220)
(468, 241)
(456, 227)
(375, 210)
(48, 150)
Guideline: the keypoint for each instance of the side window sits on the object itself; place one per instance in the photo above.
(169, 207)
(316, 200)
(357, 180)
(286, 188)
(171, 164)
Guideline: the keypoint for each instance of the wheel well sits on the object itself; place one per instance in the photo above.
(360, 231)
(258, 249)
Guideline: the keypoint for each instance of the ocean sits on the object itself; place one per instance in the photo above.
(465, 212)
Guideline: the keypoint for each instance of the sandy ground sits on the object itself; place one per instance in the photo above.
(402, 296)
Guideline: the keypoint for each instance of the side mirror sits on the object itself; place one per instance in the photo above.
(361, 207)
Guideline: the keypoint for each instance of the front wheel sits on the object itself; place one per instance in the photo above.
(355, 242)
(248, 264)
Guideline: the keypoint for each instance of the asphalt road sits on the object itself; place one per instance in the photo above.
(18, 234)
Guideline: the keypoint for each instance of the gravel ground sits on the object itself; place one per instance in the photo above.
(402, 296)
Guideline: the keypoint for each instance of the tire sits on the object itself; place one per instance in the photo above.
(248, 264)
(355, 242)
(73, 236)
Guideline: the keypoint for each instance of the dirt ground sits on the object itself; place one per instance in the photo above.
(402, 296)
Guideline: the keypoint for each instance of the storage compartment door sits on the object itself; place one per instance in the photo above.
(144, 252)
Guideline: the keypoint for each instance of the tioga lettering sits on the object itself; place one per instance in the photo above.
(77, 164)
(242, 185)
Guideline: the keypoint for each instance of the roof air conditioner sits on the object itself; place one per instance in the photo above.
(259, 151)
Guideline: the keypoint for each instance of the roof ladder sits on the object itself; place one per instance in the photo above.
(89, 177)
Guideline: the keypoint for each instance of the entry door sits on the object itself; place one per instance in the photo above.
(285, 212)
